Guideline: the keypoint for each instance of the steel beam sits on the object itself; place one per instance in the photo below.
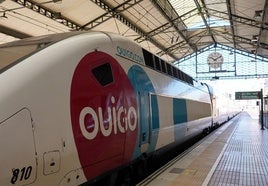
(110, 12)
(230, 8)
(56, 16)
(169, 13)
(205, 21)
(264, 19)
(167, 25)
(131, 25)
(239, 19)
(177, 46)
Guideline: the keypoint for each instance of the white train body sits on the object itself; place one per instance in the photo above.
(65, 119)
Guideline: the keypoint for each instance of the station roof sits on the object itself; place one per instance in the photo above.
(171, 29)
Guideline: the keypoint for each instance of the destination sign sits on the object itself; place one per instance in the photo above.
(247, 95)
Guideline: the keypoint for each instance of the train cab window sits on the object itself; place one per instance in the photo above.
(103, 74)
(14, 52)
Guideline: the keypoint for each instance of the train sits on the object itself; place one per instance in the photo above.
(76, 106)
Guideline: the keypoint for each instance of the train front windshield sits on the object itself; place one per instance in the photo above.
(11, 53)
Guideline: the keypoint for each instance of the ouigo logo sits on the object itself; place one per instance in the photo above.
(114, 120)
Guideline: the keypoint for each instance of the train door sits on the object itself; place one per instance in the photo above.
(143, 87)
(144, 113)
(18, 154)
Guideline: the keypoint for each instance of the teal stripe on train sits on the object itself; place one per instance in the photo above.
(179, 111)
(179, 118)
(155, 112)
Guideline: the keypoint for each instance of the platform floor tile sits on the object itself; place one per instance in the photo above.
(235, 154)
(197, 171)
(245, 159)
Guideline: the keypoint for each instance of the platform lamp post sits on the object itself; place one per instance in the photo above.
(265, 99)
(261, 96)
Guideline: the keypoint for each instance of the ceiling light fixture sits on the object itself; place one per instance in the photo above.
(172, 40)
(254, 38)
(258, 14)
(4, 15)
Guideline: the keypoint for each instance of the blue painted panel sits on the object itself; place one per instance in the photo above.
(143, 86)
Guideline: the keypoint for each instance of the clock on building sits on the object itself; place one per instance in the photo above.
(215, 60)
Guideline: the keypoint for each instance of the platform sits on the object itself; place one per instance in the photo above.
(235, 154)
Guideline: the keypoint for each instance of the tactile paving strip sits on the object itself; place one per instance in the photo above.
(245, 159)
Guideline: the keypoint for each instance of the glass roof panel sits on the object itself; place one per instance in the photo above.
(189, 13)
(212, 22)
(183, 7)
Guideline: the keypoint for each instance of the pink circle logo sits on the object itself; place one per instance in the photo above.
(103, 114)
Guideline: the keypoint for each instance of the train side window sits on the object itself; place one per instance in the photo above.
(169, 70)
(157, 63)
(148, 57)
(174, 70)
(190, 80)
(183, 78)
(179, 74)
(163, 66)
(103, 74)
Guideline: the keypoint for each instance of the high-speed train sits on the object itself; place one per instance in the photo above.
(79, 105)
